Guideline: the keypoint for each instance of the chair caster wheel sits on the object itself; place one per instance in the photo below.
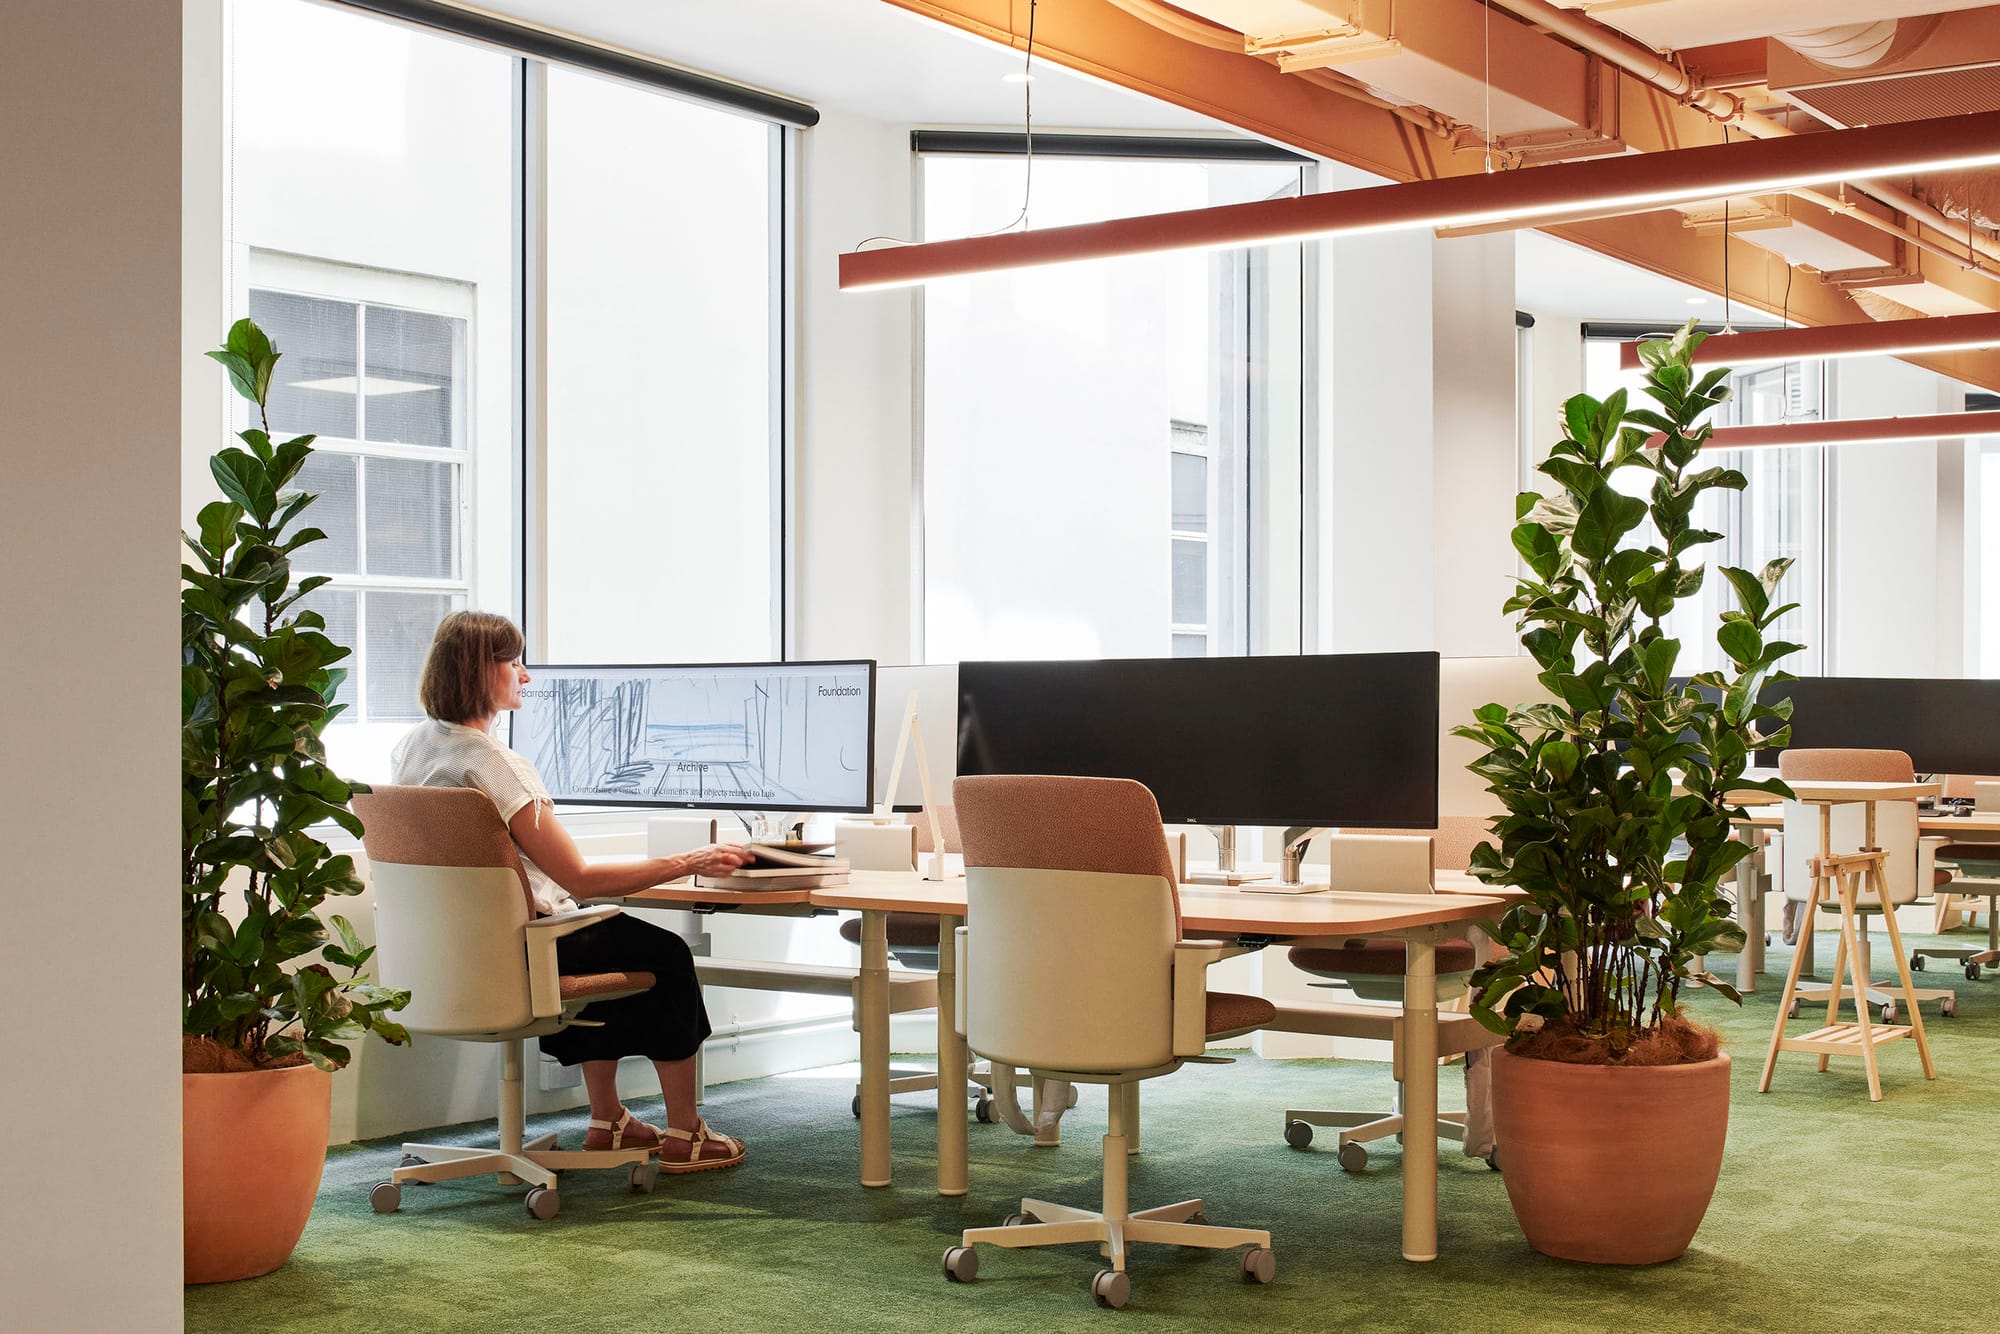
(1353, 1158)
(1260, 1264)
(1197, 1219)
(961, 1264)
(1792, 1011)
(1111, 1288)
(642, 1178)
(1917, 962)
(1888, 1014)
(410, 1160)
(1949, 1009)
(855, 1107)
(1073, 1095)
(386, 1197)
(1299, 1134)
(542, 1203)
(1972, 972)
(982, 1111)
(1018, 1220)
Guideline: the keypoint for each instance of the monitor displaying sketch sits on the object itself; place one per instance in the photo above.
(793, 736)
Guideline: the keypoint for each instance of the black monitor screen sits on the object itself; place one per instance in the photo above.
(1947, 726)
(1338, 739)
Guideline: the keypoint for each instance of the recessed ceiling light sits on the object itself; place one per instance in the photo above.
(1697, 301)
(1017, 77)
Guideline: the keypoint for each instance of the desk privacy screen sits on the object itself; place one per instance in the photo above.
(1332, 739)
(1946, 725)
(751, 736)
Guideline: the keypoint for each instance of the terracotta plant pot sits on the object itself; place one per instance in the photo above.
(252, 1149)
(1610, 1164)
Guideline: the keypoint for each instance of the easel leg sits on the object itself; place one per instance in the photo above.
(1833, 991)
(1792, 979)
(1852, 948)
(1903, 971)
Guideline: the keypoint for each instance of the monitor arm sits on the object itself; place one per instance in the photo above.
(1297, 839)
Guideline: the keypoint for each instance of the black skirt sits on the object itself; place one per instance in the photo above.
(668, 1023)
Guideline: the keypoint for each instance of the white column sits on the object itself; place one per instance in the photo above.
(90, 371)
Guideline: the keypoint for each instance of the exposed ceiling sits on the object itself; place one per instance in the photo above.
(862, 56)
(1420, 91)
(1450, 88)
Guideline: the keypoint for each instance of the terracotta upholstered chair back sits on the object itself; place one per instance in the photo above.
(1965, 785)
(1051, 823)
(947, 818)
(438, 826)
(1907, 870)
(1071, 924)
(452, 909)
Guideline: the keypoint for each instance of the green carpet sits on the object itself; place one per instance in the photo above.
(1833, 1214)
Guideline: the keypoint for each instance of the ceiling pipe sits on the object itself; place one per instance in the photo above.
(1645, 63)
(1849, 209)
(1633, 57)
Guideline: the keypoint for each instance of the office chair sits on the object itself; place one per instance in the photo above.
(1074, 969)
(456, 926)
(1391, 863)
(1974, 869)
(1909, 872)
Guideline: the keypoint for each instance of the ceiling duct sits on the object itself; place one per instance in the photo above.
(1891, 70)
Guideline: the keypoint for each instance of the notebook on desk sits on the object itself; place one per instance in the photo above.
(775, 878)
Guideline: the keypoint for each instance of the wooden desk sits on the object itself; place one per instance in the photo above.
(1420, 920)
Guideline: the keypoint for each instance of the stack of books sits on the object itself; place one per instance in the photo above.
(782, 866)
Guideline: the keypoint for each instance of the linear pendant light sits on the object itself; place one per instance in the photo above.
(1631, 183)
(1941, 333)
(1858, 431)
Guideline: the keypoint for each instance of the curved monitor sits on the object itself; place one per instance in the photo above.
(793, 736)
(1347, 739)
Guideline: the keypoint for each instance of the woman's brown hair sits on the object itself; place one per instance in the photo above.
(454, 688)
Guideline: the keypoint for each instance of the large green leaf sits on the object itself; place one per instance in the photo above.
(1603, 522)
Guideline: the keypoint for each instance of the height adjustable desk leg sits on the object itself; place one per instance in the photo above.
(872, 1018)
(951, 1063)
(1420, 1097)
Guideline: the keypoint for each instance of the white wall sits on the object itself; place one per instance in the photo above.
(90, 367)
(1891, 610)
(853, 556)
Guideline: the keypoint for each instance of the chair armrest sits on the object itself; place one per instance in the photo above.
(1927, 847)
(1191, 963)
(544, 974)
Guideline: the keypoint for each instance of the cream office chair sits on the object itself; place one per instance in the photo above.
(1074, 969)
(1909, 872)
(1391, 863)
(455, 925)
(1974, 869)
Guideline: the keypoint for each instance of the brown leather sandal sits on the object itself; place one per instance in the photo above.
(698, 1150)
(626, 1123)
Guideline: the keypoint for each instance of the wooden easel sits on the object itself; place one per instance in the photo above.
(1848, 875)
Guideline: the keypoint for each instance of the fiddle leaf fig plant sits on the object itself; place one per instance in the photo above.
(1617, 793)
(257, 688)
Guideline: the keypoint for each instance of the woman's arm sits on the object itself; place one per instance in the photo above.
(550, 847)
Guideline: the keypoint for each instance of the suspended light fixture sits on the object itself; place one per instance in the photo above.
(1859, 431)
(1629, 184)
(1900, 338)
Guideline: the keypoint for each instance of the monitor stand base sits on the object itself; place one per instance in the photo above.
(1226, 877)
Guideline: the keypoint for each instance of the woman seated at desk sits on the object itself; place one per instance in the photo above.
(472, 673)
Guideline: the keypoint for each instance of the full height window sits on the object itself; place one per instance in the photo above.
(1097, 438)
(533, 316)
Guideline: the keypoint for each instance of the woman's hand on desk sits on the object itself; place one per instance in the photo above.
(716, 859)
